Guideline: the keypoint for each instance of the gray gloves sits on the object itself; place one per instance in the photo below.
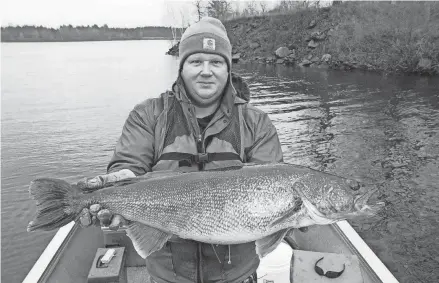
(100, 181)
(95, 215)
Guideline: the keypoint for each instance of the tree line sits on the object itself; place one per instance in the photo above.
(81, 33)
(227, 10)
(221, 9)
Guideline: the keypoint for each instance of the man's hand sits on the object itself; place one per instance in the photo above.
(98, 182)
(95, 215)
(101, 217)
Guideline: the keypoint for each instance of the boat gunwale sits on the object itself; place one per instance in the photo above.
(368, 258)
(51, 254)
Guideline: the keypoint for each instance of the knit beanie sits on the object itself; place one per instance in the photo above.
(206, 36)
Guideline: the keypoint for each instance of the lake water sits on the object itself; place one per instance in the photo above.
(64, 104)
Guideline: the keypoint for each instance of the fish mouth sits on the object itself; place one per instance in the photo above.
(368, 204)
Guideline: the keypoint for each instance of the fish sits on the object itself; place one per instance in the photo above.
(259, 203)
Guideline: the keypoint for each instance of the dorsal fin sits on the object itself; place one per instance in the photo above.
(147, 176)
(230, 168)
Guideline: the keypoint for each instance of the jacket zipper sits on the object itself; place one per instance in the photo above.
(200, 142)
(200, 149)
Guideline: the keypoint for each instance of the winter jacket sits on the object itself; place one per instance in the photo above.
(163, 134)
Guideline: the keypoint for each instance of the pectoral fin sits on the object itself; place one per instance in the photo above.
(161, 174)
(146, 239)
(266, 245)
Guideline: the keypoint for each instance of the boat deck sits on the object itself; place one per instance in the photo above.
(137, 274)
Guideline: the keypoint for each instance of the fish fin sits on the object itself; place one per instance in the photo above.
(147, 176)
(227, 167)
(162, 174)
(266, 245)
(55, 201)
(252, 164)
(237, 167)
(146, 239)
(294, 210)
(124, 182)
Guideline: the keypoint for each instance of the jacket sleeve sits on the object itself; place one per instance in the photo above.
(266, 146)
(135, 147)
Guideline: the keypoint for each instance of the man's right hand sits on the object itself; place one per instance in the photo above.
(101, 217)
(95, 215)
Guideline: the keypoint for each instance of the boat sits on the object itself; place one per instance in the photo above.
(72, 252)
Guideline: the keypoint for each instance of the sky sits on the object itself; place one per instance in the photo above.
(53, 13)
(114, 13)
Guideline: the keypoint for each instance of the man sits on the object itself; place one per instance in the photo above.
(200, 125)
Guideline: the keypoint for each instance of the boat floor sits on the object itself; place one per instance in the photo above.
(137, 274)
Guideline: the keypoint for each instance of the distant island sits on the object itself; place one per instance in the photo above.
(84, 33)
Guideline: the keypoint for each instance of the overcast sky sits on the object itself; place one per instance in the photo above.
(114, 13)
(121, 13)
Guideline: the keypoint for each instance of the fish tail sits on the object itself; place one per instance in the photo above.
(57, 203)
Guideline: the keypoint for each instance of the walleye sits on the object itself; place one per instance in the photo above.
(254, 203)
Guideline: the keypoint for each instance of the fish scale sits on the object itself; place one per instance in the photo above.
(202, 208)
(254, 203)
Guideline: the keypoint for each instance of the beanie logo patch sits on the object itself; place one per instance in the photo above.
(209, 43)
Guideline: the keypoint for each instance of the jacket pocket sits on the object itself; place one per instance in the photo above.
(160, 265)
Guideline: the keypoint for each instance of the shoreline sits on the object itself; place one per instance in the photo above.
(83, 40)
(382, 37)
(371, 37)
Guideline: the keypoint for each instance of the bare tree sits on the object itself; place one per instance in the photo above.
(263, 6)
(303, 4)
(236, 6)
(236, 9)
(287, 5)
(219, 9)
(317, 4)
(200, 9)
(251, 9)
(174, 29)
(177, 25)
(184, 22)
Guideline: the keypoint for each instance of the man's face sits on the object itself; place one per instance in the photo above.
(205, 76)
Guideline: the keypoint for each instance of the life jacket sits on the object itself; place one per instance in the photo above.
(181, 145)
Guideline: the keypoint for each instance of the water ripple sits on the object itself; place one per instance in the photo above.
(381, 130)
(64, 122)
(61, 117)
